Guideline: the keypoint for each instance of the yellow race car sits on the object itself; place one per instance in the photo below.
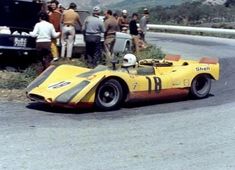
(107, 88)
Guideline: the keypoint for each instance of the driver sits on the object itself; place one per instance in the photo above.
(129, 63)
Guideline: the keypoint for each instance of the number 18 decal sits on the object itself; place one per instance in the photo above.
(157, 83)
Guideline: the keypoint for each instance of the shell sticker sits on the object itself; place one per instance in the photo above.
(206, 68)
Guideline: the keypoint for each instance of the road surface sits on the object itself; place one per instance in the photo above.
(193, 46)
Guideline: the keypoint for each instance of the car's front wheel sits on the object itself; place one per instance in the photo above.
(200, 86)
(109, 95)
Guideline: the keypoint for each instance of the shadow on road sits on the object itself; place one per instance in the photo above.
(130, 108)
(54, 109)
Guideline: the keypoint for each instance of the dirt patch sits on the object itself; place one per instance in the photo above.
(12, 86)
(13, 95)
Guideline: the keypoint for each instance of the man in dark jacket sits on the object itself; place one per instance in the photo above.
(134, 31)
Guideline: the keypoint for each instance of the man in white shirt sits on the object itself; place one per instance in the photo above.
(44, 32)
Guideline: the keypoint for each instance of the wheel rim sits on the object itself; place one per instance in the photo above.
(108, 95)
(201, 85)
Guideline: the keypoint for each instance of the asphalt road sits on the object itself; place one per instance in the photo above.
(183, 135)
(193, 46)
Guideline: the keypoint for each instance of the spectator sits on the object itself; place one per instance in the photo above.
(55, 18)
(134, 31)
(44, 31)
(61, 8)
(143, 24)
(69, 20)
(123, 20)
(92, 28)
(115, 15)
(111, 27)
(49, 8)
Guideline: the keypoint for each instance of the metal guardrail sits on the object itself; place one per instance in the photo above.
(192, 29)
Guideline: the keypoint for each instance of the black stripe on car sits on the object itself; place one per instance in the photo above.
(67, 96)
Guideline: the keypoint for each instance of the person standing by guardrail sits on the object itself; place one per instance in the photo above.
(111, 27)
(69, 20)
(92, 28)
(143, 24)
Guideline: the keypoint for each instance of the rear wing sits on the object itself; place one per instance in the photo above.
(172, 57)
(208, 60)
(204, 60)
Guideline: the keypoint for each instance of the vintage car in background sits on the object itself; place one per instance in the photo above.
(123, 42)
(17, 19)
(107, 88)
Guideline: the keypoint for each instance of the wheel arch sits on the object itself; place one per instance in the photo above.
(204, 87)
(203, 74)
(124, 85)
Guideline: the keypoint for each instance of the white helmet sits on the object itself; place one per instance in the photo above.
(129, 60)
(124, 11)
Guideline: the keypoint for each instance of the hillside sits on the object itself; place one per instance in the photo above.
(131, 5)
(122, 4)
(135, 4)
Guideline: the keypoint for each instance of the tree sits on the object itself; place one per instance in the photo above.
(229, 3)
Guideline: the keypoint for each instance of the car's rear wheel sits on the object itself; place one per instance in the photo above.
(200, 86)
(109, 95)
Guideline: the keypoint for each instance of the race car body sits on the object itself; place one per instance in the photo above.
(107, 89)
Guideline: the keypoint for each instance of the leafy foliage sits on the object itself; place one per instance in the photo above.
(151, 52)
(132, 5)
(191, 13)
(229, 3)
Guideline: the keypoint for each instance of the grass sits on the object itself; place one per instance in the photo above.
(18, 80)
(150, 52)
(11, 80)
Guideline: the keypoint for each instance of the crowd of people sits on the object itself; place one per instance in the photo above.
(58, 24)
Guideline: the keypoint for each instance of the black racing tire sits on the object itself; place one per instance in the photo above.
(200, 87)
(109, 95)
